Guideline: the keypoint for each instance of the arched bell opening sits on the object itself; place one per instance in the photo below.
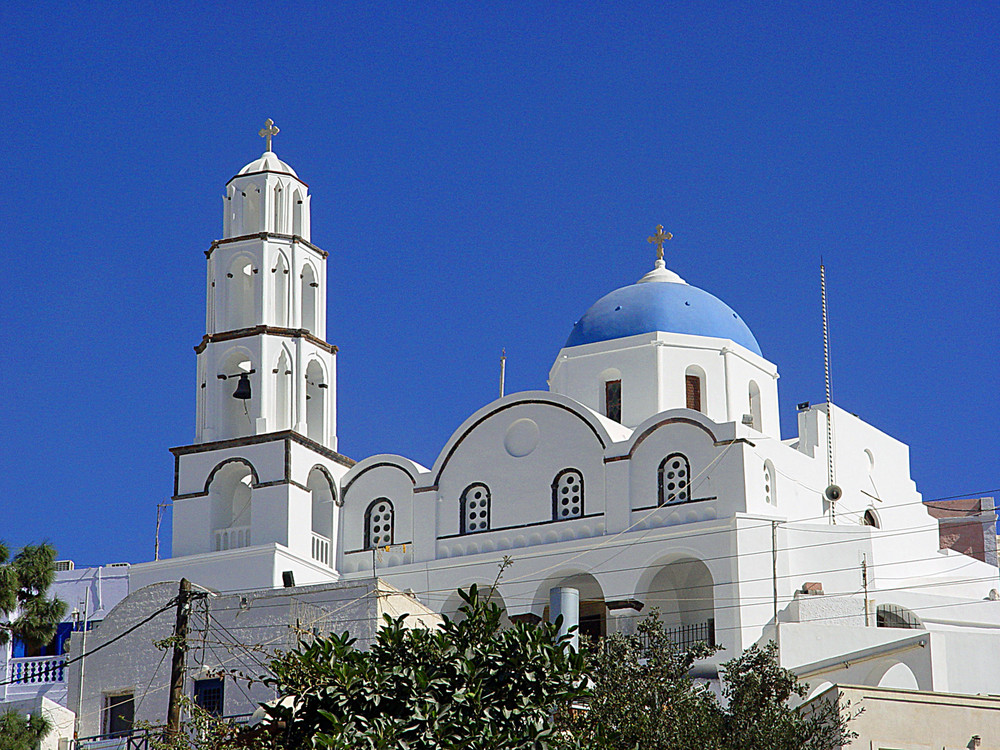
(323, 493)
(298, 213)
(234, 409)
(279, 274)
(282, 373)
(310, 287)
(316, 388)
(230, 490)
(240, 294)
(251, 210)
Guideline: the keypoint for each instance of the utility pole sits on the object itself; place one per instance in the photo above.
(83, 663)
(774, 578)
(864, 582)
(156, 545)
(177, 663)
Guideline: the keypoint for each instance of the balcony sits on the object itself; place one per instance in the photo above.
(320, 549)
(232, 538)
(686, 636)
(36, 670)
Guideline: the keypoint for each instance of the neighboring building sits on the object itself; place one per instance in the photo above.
(230, 636)
(651, 474)
(60, 718)
(968, 526)
(916, 720)
(31, 673)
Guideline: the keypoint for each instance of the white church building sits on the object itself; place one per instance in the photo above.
(651, 474)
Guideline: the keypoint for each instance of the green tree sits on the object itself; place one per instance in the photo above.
(27, 611)
(469, 684)
(643, 696)
(19, 732)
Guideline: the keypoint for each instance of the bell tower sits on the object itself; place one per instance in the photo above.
(259, 485)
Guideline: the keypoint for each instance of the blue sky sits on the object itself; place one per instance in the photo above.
(481, 173)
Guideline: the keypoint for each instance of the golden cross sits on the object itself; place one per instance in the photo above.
(658, 239)
(268, 131)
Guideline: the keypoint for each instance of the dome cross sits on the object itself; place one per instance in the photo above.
(658, 239)
(270, 130)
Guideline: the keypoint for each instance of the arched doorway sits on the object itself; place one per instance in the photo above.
(683, 591)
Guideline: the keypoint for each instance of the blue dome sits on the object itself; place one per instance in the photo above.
(660, 306)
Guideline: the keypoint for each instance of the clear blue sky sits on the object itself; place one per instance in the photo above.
(480, 175)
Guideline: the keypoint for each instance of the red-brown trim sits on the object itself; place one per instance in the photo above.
(669, 420)
(265, 236)
(482, 419)
(242, 333)
(287, 435)
(380, 464)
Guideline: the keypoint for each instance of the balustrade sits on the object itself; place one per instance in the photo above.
(232, 538)
(321, 549)
(37, 670)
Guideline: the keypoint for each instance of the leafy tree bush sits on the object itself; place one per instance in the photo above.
(26, 610)
(643, 696)
(470, 684)
(19, 732)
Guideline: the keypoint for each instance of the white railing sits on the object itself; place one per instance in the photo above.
(232, 538)
(37, 670)
(321, 548)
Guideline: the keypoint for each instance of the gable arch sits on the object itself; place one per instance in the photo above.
(540, 398)
(237, 460)
(338, 499)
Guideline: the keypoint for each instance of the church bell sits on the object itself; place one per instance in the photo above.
(243, 387)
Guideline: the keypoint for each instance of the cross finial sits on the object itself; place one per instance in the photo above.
(658, 239)
(268, 131)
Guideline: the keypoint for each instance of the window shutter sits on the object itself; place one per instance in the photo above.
(693, 383)
(613, 400)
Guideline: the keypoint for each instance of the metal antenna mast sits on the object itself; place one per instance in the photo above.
(833, 492)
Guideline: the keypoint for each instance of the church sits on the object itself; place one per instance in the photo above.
(651, 476)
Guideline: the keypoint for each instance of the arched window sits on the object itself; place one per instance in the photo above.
(754, 405)
(674, 479)
(870, 519)
(694, 388)
(379, 520)
(894, 616)
(309, 288)
(613, 399)
(567, 495)
(770, 495)
(475, 508)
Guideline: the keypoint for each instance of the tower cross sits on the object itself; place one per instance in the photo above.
(268, 131)
(658, 239)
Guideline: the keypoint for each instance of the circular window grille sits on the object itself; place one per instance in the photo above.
(568, 500)
(475, 508)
